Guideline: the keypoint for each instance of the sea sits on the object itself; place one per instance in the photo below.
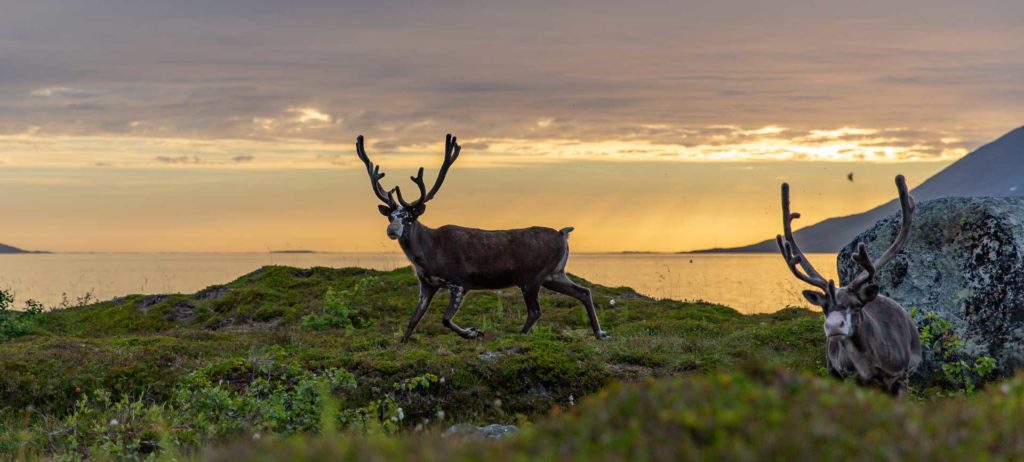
(750, 283)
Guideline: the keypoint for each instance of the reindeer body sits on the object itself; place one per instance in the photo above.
(885, 347)
(481, 259)
(462, 259)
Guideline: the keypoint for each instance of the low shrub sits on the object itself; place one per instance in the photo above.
(947, 364)
(17, 323)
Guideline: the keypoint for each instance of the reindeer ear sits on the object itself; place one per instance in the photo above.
(867, 293)
(384, 210)
(816, 298)
(419, 209)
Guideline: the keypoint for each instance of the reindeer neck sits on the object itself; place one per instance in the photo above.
(864, 329)
(416, 243)
(858, 348)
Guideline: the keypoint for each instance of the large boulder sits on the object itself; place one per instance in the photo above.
(965, 263)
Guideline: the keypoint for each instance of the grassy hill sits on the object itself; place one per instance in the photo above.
(289, 364)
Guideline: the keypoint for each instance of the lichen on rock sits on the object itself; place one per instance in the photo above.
(965, 263)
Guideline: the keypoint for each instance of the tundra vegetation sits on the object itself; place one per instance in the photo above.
(296, 364)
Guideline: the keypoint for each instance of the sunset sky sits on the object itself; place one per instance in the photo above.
(229, 126)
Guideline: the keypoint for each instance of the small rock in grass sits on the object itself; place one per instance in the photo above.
(488, 432)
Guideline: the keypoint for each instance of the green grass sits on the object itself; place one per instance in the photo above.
(183, 375)
(756, 415)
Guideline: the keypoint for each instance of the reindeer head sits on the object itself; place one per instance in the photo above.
(402, 214)
(842, 306)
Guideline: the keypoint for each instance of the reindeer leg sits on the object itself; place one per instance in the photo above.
(832, 371)
(530, 294)
(563, 285)
(457, 294)
(898, 385)
(427, 292)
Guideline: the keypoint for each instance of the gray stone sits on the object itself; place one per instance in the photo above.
(965, 263)
(489, 432)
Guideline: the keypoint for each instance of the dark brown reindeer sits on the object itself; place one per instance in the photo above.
(870, 336)
(462, 259)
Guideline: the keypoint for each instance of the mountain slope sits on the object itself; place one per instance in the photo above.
(995, 169)
(9, 249)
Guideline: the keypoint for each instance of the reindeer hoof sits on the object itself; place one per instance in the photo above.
(472, 333)
(603, 336)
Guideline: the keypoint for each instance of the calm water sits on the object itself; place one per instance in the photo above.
(749, 283)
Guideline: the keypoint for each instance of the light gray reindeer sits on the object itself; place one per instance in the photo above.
(870, 336)
(462, 259)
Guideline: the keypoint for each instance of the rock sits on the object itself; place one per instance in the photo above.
(965, 263)
(211, 293)
(182, 312)
(489, 432)
(148, 301)
(489, 355)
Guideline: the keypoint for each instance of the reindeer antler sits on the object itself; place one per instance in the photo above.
(451, 153)
(791, 252)
(907, 207)
(375, 174)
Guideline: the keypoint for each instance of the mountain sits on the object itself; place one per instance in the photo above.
(9, 249)
(995, 169)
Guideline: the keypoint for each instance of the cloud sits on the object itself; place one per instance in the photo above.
(310, 115)
(178, 159)
(242, 159)
(62, 92)
(663, 73)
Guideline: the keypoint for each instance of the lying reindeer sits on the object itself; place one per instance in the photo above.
(869, 335)
(462, 259)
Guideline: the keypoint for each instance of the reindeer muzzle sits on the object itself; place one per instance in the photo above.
(395, 231)
(837, 324)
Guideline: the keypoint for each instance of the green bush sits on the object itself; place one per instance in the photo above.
(17, 323)
(339, 310)
(946, 364)
(266, 395)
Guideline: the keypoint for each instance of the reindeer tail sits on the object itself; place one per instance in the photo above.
(565, 231)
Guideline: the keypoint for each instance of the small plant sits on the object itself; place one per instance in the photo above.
(34, 307)
(420, 382)
(941, 345)
(16, 323)
(86, 299)
(338, 311)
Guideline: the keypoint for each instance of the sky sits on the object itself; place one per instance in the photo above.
(184, 125)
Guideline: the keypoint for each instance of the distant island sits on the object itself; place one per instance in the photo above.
(293, 251)
(11, 249)
(725, 250)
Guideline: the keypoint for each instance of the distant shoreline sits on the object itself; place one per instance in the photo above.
(728, 250)
(294, 251)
